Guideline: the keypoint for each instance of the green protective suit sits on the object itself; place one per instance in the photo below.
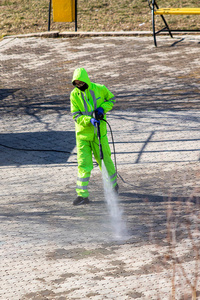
(83, 104)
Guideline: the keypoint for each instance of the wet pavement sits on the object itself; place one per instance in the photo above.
(53, 250)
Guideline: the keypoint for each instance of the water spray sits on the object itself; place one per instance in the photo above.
(111, 197)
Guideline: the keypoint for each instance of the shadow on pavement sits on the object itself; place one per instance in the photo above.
(4, 93)
(137, 198)
(162, 98)
(29, 101)
(54, 217)
(52, 147)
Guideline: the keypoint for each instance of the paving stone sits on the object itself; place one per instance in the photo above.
(53, 250)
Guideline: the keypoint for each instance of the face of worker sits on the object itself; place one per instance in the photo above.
(80, 85)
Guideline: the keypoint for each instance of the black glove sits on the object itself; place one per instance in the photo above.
(99, 113)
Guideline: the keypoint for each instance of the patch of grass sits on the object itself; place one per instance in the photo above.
(26, 16)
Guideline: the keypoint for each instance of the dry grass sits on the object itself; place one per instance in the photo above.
(26, 16)
(181, 257)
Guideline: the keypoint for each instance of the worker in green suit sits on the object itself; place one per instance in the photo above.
(86, 98)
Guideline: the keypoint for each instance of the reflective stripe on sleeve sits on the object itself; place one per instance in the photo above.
(77, 117)
(80, 113)
(76, 112)
(111, 100)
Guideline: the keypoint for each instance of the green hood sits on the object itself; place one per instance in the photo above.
(81, 74)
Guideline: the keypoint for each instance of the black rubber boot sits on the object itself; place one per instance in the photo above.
(81, 200)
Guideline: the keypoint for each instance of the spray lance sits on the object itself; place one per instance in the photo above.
(99, 117)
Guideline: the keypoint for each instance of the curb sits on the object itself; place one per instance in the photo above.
(68, 34)
(106, 33)
(46, 34)
(57, 34)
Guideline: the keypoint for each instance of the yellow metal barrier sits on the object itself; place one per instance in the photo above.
(63, 10)
(177, 11)
(170, 11)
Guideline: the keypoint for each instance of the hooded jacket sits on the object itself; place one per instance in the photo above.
(83, 104)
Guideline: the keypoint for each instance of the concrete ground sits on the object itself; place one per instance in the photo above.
(53, 250)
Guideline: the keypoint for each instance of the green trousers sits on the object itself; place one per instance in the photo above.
(85, 163)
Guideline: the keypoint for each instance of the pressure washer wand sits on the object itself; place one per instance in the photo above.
(99, 136)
